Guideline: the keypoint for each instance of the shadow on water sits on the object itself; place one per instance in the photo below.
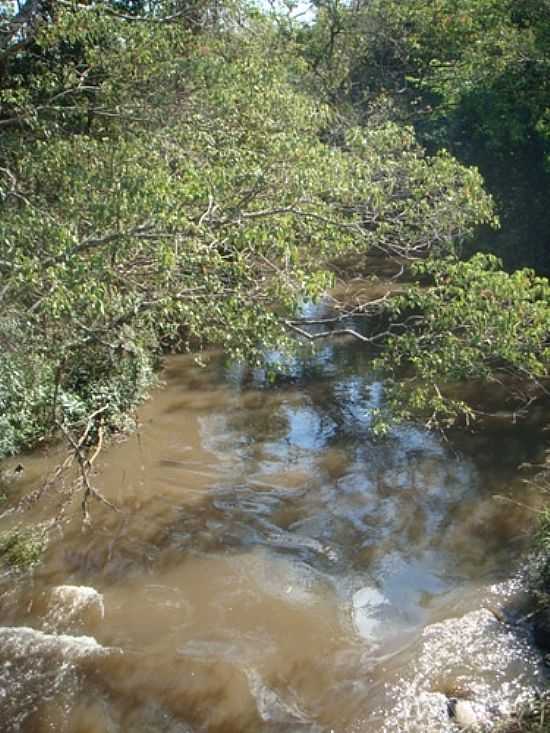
(273, 567)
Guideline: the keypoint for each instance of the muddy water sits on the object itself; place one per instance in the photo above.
(274, 568)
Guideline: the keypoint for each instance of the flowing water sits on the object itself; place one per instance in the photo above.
(274, 568)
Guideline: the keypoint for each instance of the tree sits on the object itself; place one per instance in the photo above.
(471, 77)
(470, 323)
(168, 187)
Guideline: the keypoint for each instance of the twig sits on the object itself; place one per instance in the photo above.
(507, 500)
(85, 463)
(327, 334)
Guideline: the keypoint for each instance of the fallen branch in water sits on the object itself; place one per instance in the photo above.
(376, 339)
(85, 463)
(79, 451)
(326, 334)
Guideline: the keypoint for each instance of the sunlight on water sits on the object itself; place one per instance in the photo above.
(272, 568)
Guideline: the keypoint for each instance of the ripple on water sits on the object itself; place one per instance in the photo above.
(284, 714)
(271, 562)
(284, 578)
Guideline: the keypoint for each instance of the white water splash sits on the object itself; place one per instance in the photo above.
(491, 662)
(73, 608)
(36, 667)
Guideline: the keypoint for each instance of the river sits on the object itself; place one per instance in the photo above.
(275, 568)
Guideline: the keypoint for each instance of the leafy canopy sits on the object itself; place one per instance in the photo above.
(166, 182)
(473, 322)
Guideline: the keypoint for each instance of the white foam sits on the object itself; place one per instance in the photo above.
(22, 641)
(36, 667)
(494, 663)
(73, 608)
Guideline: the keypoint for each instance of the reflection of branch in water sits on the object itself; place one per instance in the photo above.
(34, 496)
(414, 457)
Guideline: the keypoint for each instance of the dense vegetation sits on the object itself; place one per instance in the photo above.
(176, 175)
(172, 180)
(471, 78)
(181, 173)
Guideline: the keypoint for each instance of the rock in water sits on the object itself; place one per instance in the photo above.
(73, 609)
(494, 662)
(463, 714)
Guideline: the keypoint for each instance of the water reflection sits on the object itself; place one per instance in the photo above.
(270, 556)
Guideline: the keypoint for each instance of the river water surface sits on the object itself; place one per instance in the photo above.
(274, 568)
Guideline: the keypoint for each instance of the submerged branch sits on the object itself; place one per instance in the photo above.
(85, 463)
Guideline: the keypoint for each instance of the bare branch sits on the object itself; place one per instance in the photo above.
(327, 334)
(85, 463)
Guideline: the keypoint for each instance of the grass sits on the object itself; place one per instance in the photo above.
(21, 548)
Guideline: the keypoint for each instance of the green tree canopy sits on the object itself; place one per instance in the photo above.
(168, 184)
(472, 77)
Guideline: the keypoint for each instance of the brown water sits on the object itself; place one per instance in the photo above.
(273, 568)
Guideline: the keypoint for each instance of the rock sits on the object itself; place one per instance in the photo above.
(474, 654)
(541, 629)
(463, 713)
(73, 608)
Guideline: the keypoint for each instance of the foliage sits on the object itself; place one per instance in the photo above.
(491, 58)
(21, 549)
(360, 53)
(168, 185)
(472, 322)
(472, 76)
